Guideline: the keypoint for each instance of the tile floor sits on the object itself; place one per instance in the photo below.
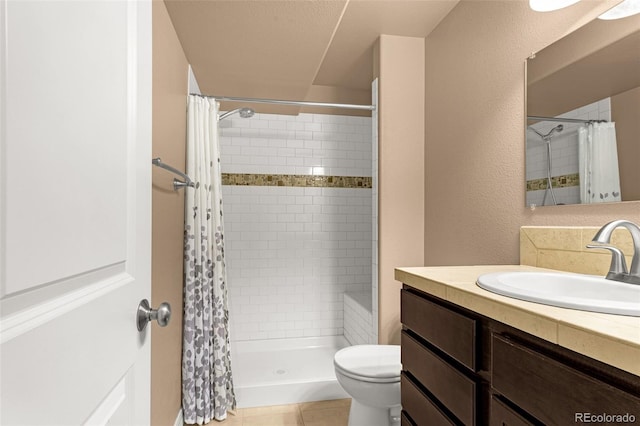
(318, 413)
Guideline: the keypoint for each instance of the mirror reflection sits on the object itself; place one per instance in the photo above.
(583, 117)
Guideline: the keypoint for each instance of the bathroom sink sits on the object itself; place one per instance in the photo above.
(566, 290)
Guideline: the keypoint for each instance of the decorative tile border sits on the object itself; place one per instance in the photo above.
(563, 181)
(317, 181)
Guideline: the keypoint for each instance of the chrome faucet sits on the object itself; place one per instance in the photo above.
(618, 269)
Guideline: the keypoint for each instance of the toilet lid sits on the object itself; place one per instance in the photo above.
(370, 361)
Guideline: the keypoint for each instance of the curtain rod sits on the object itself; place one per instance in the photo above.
(564, 120)
(282, 102)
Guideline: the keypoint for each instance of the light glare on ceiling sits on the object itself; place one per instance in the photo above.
(549, 5)
(622, 10)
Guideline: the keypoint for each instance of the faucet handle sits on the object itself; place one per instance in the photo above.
(618, 263)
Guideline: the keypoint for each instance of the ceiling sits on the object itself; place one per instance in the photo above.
(317, 50)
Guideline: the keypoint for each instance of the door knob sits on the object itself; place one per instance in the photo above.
(146, 314)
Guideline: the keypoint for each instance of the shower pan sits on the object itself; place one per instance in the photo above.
(277, 371)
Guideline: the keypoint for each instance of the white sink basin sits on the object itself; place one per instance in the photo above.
(584, 292)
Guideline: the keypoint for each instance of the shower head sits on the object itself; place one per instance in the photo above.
(558, 129)
(547, 137)
(244, 113)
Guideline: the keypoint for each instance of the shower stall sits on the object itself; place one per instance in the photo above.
(299, 213)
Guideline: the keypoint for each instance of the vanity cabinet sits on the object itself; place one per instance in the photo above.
(461, 368)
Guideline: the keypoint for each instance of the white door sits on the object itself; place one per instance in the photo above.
(75, 160)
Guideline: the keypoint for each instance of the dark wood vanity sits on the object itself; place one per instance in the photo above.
(462, 368)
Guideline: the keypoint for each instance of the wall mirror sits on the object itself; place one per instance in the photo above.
(583, 116)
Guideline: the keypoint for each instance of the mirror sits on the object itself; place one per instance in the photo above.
(583, 116)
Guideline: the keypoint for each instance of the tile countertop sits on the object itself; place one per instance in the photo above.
(613, 339)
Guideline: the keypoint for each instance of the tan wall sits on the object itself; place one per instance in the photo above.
(339, 95)
(625, 111)
(400, 67)
(169, 128)
(474, 182)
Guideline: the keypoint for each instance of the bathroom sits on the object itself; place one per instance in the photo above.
(450, 144)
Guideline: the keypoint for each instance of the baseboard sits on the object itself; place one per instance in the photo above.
(179, 419)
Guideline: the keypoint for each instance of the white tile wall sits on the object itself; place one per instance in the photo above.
(358, 319)
(303, 144)
(293, 252)
(564, 151)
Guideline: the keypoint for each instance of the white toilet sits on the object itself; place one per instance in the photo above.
(371, 375)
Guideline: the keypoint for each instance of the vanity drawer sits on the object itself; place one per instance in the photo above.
(451, 332)
(404, 420)
(453, 389)
(551, 391)
(503, 415)
(419, 407)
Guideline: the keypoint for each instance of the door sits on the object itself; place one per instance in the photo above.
(75, 197)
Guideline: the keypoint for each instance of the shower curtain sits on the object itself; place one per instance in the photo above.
(207, 385)
(598, 163)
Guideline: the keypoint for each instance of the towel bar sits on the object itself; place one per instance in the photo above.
(177, 184)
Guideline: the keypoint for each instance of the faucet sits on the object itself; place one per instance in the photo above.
(618, 269)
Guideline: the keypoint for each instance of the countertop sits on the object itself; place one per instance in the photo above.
(613, 339)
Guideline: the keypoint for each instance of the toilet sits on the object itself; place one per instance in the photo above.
(370, 374)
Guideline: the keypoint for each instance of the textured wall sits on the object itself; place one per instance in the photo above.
(474, 152)
(400, 66)
(169, 129)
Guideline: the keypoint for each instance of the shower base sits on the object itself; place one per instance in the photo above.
(285, 371)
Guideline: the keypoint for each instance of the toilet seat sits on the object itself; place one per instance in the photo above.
(370, 363)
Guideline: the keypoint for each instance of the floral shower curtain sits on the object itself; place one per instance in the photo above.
(598, 163)
(207, 385)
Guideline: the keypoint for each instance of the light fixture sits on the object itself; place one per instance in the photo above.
(622, 10)
(549, 5)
